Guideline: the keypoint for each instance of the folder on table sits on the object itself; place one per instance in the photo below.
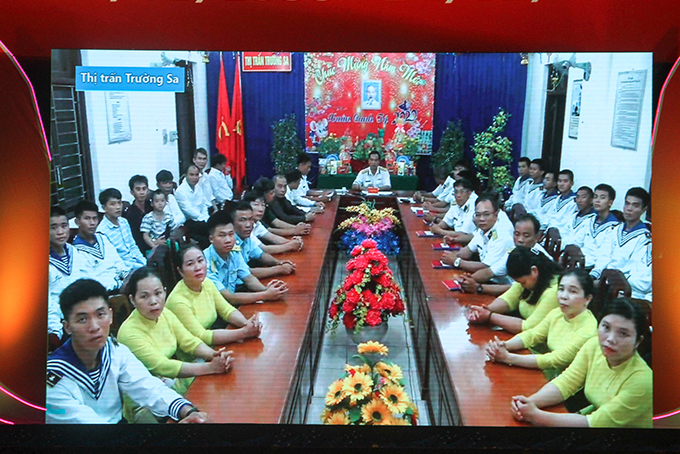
(439, 265)
(451, 285)
(445, 246)
(426, 233)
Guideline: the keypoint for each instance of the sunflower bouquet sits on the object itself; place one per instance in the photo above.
(372, 223)
(370, 393)
(369, 293)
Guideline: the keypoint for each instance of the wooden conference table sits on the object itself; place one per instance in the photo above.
(273, 375)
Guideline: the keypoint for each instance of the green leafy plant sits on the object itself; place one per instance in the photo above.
(371, 143)
(329, 145)
(287, 145)
(451, 146)
(493, 154)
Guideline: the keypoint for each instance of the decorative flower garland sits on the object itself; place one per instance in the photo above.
(370, 223)
(369, 293)
(371, 393)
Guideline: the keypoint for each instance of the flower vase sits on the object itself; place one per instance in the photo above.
(368, 333)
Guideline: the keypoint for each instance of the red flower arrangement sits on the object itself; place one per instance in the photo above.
(369, 293)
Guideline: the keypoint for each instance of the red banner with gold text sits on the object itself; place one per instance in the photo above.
(354, 94)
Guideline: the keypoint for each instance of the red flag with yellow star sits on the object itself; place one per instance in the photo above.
(224, 138)
(238, 165)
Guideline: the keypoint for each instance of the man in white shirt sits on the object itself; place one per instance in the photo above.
(493, 244)
(295, 197)
(221, 184)
(458, 224)
(193, 204)
(105, 264)
(577, 226)
(88, 376)
(532, 200)
(374, 176)
(632, 246)
(201, 162)
(561, 212)
(549, 195)
(66, 265)
(522, 184)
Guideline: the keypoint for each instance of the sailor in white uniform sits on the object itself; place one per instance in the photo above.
(66, 265)
(575, 228)
(522, 184)
(493, 244)
(374, 176)
(89, 374)
(549, 195)
(632, 246)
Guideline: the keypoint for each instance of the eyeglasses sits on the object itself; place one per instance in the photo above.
(485, 214)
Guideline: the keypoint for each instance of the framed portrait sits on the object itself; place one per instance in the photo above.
(371, 94)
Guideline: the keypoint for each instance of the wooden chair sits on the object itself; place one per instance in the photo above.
(516, 211)
(552, 243)
(613, 284)
(572, 257)
(645, 348)
(122, 308)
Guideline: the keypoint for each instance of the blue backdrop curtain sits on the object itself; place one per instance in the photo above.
(472, 87)
(267, 97)
(469, 87)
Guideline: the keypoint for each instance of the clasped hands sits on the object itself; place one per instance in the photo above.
(496, 351)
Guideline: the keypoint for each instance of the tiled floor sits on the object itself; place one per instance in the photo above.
(338, 348)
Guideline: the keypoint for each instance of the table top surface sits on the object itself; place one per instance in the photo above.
(255, 391)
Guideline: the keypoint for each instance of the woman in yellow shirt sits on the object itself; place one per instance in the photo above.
(564, 329)
(533, 294)
(154, 335)
(615, 379)
(197, 303)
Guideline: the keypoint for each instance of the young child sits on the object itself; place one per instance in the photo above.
(522, 184)
(156, 226)
(117, 229)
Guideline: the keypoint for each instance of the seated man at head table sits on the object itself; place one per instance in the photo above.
(275, 244)
(527, 234)
(227, 269)
(264, 264)
(88, 375)
(373, 176)
(492, 241)
(267, 189)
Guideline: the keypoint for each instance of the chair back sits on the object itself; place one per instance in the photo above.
(122, 308)
(552, 243)
(572, 257)
(613, 284)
